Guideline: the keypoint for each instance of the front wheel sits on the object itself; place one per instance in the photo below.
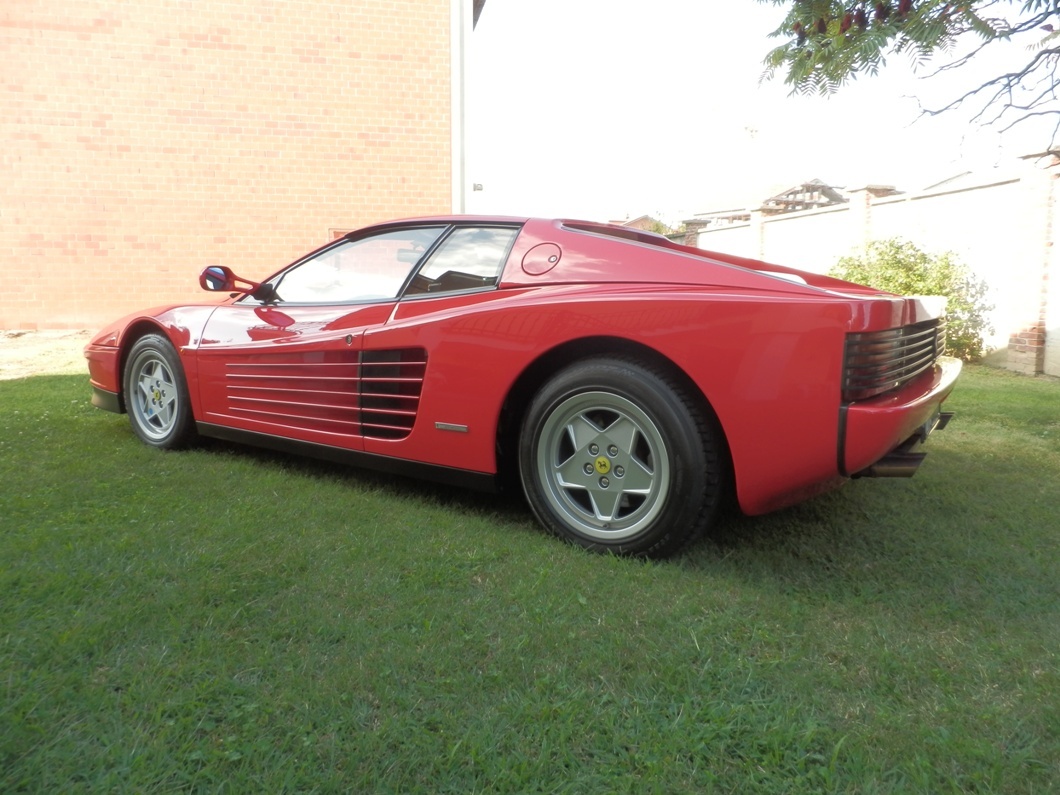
(616, 456)
(156, 394)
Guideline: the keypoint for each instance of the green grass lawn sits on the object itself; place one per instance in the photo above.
(224, 619)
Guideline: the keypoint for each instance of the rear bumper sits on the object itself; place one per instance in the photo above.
(877, 437)
(904, 460)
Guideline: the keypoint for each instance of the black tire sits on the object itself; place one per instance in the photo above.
(618, 457)
(156, 394)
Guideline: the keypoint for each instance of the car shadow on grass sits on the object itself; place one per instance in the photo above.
(965, 537)
(508, 506)
(909, 542)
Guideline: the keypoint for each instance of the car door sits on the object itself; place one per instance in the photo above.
(427, 359)
(293, 365)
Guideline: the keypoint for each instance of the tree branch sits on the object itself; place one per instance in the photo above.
(1026, 116)
(828, 41)
(1004, 83)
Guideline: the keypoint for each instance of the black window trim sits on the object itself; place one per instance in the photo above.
(352, 237)
(447, 230)
(438, 244)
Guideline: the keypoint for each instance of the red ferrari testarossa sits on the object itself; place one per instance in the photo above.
(626, 381)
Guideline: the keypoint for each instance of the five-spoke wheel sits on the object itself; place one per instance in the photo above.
(604, 464)
(156, 394)
(618, 456)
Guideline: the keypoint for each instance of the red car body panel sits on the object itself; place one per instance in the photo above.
(885, 422)
(766, 352)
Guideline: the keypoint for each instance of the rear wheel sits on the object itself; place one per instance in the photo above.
(617, 456)
(156, 394)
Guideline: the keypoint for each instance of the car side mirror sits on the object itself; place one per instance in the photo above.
(217, 279)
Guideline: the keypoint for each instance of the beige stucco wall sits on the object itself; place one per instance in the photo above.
(1000, 225)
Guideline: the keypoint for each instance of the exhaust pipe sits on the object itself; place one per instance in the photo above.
(902, 462)
(893, 465)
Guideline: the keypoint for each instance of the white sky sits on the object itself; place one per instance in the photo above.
(611, 109)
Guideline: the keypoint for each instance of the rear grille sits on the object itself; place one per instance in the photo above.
(374, 394)
(880, 361)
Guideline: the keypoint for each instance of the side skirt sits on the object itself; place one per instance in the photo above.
(449, 476)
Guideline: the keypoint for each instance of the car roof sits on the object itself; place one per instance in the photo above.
(591, 254)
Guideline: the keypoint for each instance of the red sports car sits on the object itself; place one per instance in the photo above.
(625, 381)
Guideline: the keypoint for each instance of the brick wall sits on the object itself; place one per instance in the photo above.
(1027, 345)
(143, 140)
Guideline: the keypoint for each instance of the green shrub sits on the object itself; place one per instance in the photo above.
(898, 266)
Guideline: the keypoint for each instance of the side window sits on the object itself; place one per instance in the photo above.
(359, 270)
(470, 258)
